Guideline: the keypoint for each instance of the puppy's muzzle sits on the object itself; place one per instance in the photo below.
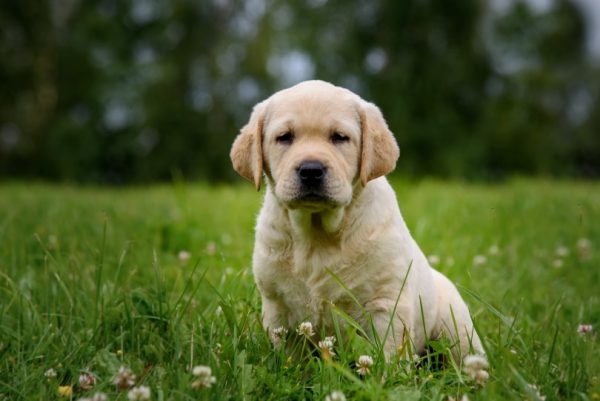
(311, 174)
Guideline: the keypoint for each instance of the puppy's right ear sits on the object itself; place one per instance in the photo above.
(246, 152)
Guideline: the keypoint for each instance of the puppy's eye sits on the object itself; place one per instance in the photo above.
(338, 138)
(285, 139)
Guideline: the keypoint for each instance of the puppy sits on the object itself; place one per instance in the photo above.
(330, 234)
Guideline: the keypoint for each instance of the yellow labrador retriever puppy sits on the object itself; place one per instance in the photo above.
(330, 216)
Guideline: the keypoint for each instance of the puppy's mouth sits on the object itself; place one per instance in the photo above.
(312, 196)
(312, 200)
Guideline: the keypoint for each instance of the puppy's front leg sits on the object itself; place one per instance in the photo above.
(274, 317)
(454, 320)
(389, 328)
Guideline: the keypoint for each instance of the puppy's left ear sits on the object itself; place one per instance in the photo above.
(246, 152)
(379, 148)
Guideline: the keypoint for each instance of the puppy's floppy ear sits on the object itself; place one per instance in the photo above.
(246, 152)
(379, 148)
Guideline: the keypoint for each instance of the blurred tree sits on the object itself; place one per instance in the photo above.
(113, 91)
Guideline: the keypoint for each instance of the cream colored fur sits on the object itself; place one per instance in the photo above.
(356, 232)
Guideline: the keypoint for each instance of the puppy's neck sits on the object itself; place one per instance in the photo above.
(326, 221)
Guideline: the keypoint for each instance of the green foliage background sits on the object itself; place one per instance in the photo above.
(129, 91)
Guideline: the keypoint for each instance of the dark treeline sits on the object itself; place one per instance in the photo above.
(136, 91)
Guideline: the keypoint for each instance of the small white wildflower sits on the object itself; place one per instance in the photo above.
(433, 260)
(306, 329)
(204, 377)
(50, 374)
(87, 381)
(326, 347)
(52, 242)
(184, 257)
(96, 397)
(584, 248)
(330, 339)
(463, 398)
(218, 349)
(211, 248)
(537, 392)
(475, 366)
(584, 329)
(494, 250)
(278, 334)
(479, 260)
(336, 396)
(558, 263)
(124, 378)
(363, 364)
(141, 393)
(561, 251)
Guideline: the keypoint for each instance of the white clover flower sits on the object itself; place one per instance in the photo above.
(433, 259)
(50, 374)
(584, 329)
(184, 256)
(87, 381)
(558, 263)
(141, 393)
(278, 334)
(584, 248)
(326, 347)
(306, 329)
(536, 389)
(479, 260)
(336, 396)
(330, 339)
(218, 349)
(475, 366)
(211, 248)
(464, 397)
(363, 364)
(494, 250)
(561, 251)
(204, 377)
(124, 378)
(96, 397)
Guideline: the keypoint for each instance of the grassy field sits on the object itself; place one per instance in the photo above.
(94, 279)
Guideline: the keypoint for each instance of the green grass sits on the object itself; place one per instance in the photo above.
(90, 280)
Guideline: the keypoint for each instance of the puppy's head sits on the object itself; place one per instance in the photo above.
(314, 142)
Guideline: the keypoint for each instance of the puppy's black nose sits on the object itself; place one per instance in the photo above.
(311, 172)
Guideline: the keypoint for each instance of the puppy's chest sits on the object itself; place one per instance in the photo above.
(311, 280)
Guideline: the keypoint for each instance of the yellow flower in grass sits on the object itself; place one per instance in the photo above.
(65, 391)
